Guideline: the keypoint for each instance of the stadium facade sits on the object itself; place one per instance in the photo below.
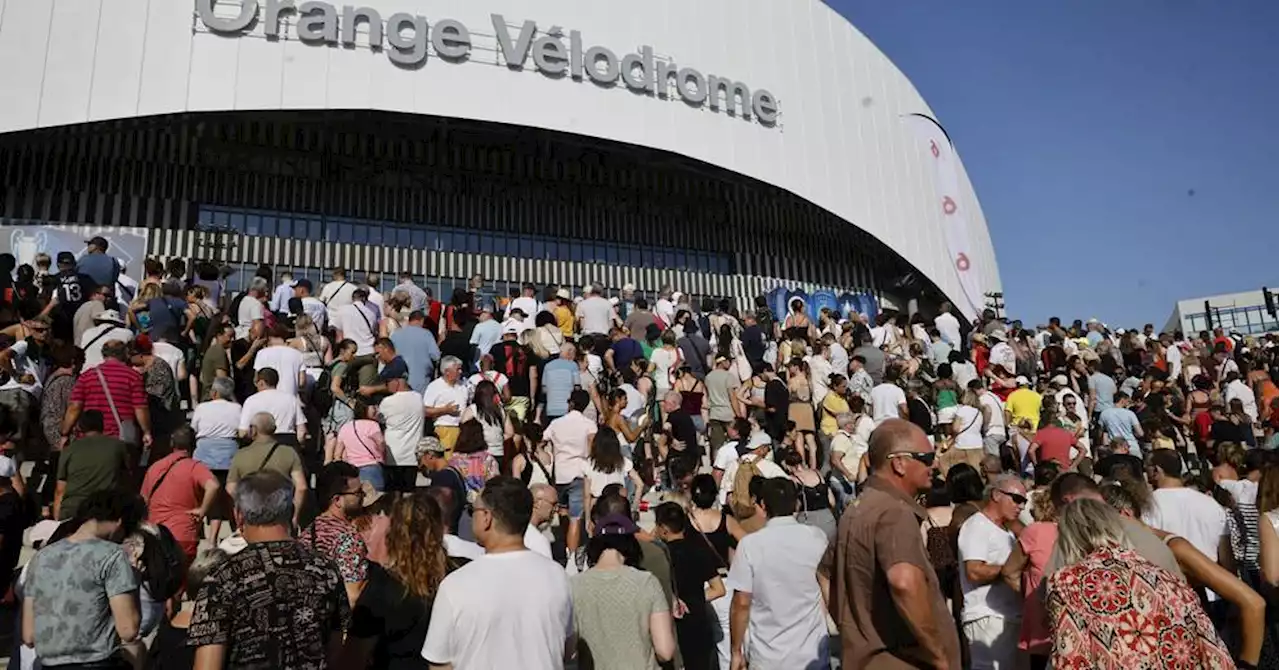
(723, 147)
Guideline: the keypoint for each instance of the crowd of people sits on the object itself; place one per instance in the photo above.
(349, 478)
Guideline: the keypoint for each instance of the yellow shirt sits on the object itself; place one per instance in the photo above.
(1024, 404)
(832, 406)
(564, 319)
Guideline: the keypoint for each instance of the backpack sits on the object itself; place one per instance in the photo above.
(164, 564)
(940, 546)
(322, 397)
(740, 498)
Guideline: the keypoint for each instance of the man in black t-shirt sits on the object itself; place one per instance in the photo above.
(678, 432)
(73, 290)
(693, 563)
(433, 463)
(516, 361)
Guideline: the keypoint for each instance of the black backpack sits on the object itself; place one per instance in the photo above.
(163, 564)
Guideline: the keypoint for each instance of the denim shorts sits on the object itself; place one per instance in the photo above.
(571, 497)
(373, 475)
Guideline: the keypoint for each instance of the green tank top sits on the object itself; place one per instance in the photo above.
(946, 398)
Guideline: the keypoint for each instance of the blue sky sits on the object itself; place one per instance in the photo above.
(1084, 125)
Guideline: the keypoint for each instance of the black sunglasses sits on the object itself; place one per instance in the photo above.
(924, 457)
(1015, 497)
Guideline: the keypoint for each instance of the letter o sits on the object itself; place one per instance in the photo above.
(699, 93)
(593, 57)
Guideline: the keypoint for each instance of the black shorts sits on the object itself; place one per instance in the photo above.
(399, 478)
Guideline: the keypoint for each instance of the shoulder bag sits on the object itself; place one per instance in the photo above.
(128, 432)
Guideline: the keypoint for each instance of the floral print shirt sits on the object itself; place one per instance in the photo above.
(1115, 609)
(340, 542)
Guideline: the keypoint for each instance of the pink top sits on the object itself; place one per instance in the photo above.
(362, 442)
(1037, 543)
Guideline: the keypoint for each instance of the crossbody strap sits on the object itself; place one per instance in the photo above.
(723, 562)
(271, 452)
(115, 414)
(97, 337)
(156, 487)
(335, 293)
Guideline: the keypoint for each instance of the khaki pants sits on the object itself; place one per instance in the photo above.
(448, 437)
(956, 455)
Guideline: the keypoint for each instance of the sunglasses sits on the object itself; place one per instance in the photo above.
(1015, 497)
(924, 457)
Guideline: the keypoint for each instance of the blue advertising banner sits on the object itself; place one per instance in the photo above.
(127, 245)
(777, 300)
(822, 300)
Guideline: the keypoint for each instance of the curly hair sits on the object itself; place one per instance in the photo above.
(415, 544)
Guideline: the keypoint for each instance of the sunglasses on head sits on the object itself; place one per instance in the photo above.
(924, 457)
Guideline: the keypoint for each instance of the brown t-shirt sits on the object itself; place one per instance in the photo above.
(882, 532)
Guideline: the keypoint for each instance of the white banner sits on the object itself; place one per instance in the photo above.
(950, 214)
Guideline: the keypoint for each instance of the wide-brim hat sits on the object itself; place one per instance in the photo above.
(109, 316)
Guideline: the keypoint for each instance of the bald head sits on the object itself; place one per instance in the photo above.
(264, 423)
(893, 436)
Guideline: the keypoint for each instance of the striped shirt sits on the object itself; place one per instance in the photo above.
(126, 390)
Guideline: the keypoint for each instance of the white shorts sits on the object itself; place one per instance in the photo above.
(993, 643)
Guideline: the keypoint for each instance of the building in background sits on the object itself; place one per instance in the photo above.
(1248, 313)
(721, 148)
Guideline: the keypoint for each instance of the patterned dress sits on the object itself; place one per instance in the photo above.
(1115, 609)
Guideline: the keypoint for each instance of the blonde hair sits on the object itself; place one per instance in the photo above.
(415, 544)
(1086, 525)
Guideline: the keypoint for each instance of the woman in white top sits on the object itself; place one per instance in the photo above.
(316, 353)
(664, 362)
(608, 466)
(967, 429)
(1269, 526)
(394, 313)
(216, 422)
(486, 408)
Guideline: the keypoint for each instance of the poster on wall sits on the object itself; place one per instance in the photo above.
(822, 300)
(127, 245)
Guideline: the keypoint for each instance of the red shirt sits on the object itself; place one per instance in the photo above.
(1055, 445)
(180, 492)
(126, 391)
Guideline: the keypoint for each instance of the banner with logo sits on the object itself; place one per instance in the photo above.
(127, 245)
(950, 215)
(821, 300)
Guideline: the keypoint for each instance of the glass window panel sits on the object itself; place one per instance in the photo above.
(433, 240)
(359, 234)
(284, 226)
(611, 254)
(331, 231)
(419, 238)
(526, 247)
(374, 234)
(404, 237)
(221, 219)
(575, 251)
(317, 230)
(205, 217)
(269, 226)
(499, 244)
(486, 244)
(237, 222)
(344, 232)
(539, 249)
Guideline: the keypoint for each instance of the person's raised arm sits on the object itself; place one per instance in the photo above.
(1201, 570)
(1011, 571)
